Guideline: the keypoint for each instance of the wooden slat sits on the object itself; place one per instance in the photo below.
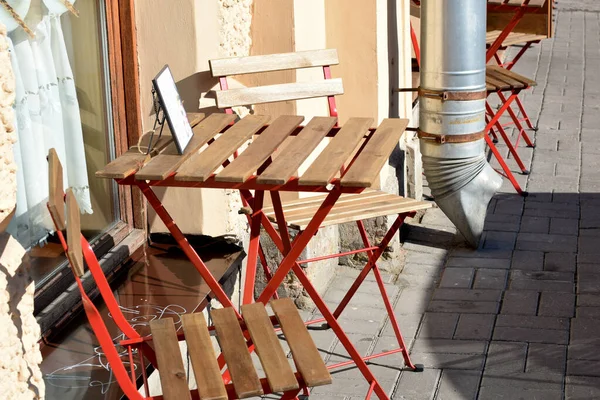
(260, 150)
(286, 164)
(359, 212)
(173, 379)
(537, 3)
(161, 166)
(375, 154)
(514, 3)
(514, 75)
(305, 352)
(200, 166)
(316, 201)
(273, 62)
(279, 373)
(204, 360)
(329, 162)
(133, 159)
(281, 92)
(499, 76)
(56, 201)
(233, 345)
(496, 83)
(74, 251)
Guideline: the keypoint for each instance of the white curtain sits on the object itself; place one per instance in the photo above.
(47, 115)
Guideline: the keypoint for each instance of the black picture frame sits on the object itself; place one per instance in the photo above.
(172, 108)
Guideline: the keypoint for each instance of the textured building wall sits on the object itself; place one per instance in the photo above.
(20, 376)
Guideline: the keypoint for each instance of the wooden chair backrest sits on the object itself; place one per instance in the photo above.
(75, 251)
(227, 98)
(56, 202)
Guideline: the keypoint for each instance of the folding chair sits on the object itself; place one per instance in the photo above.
(231, 334)
(132, 340)
(500, 81)
(298, 213)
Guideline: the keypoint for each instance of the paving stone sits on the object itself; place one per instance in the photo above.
(537, 322)
(481, 253)
(490, 279)
(412, 301)
(541, 281)
(557, 304)
(359, 299)
(582, 387)
(588, 282)
(500, 240)
(460, 306)
(512, 205)
(535, 224)
(476, 262)
(417, 281)
(530, 335)
(503, 357)
(546, 358)
(409, 325)
(467, 294)
(564, 262)
(475, 326)
(362, 343)
(505, 388)
(422, 270)
(457, 277)
(449, 346)
(502, 222)
(417, 386)
(542, 242)
(583, 367)
(520, 302)
(528, 260)
(564, 226)
(449, 360)
(458, 385)
(438, 325)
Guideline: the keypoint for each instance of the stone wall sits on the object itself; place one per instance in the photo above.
(20, 357)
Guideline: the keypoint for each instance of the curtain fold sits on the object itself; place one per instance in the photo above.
(47, 113)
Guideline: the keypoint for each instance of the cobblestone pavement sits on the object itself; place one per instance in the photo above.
(519, 318)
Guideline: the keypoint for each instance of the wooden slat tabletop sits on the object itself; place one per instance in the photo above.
(368, 163)
(169, 159)
(329, 162)
(133, 159)
(291, 158)
(250, 160)
(217, 165)
(200, 166)
(518, 3)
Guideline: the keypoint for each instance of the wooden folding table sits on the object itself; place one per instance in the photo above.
(211, 160)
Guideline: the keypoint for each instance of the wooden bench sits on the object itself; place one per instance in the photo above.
(280, 377)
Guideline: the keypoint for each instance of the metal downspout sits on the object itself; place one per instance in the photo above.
(450, 121)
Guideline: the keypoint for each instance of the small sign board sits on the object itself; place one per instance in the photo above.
(172, 107)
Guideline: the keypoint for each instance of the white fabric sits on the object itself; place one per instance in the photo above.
(48, 116)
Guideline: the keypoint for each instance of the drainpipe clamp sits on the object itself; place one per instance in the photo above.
(441, 139)
(452, 96)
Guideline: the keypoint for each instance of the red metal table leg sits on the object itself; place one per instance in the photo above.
(185, 245)
(248, 296)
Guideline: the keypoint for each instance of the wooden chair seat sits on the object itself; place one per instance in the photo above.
(349, 208)
(500, 79)
(513, 38)
(280, 377)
